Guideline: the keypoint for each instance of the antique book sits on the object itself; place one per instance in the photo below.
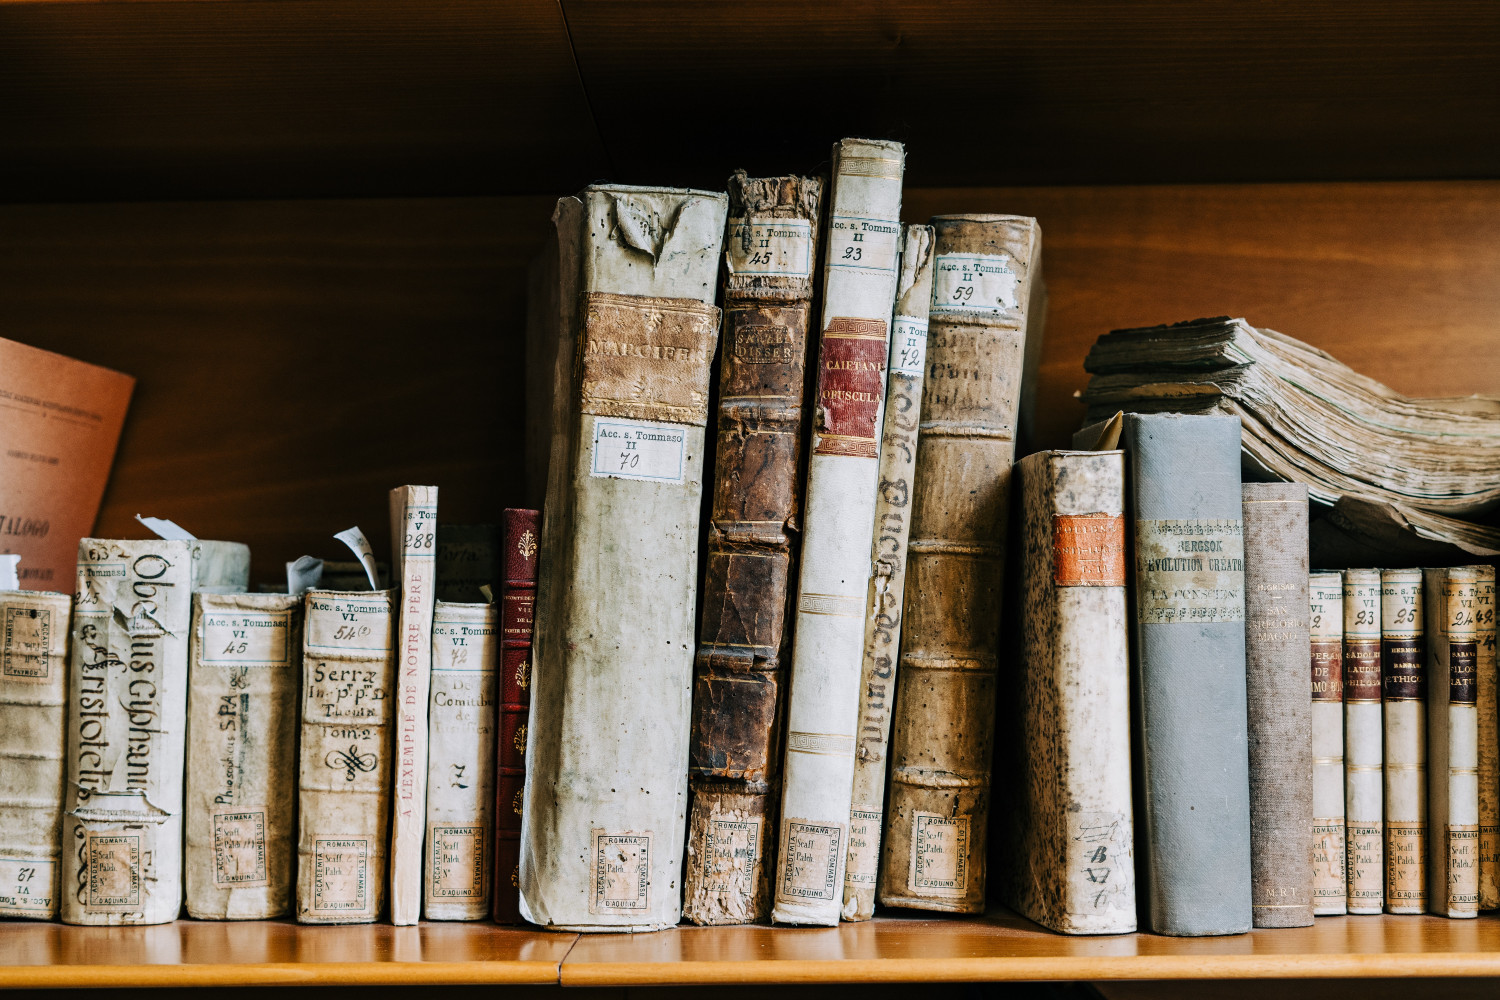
(1277, 650)
(127, 722)
(943, 727)
(1068, 832)
(1403, 669)
(743, 639)
(1451, 601)
(548, 312)
(887, 591)
(468, 557)
(520, 530)
(244, 668)
(345, 755)
(59, 425)
(859, 288)
(1489, 750)
(413, 555)
(1326, 627)
(33, 748)
(1363, 758)
(1189, 672)
(607, 745)
(459, 857)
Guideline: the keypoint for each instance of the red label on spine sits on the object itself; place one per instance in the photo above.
(1404, 668)
(1088, 550)
(1328, 670)
(1362, 670)
(851, 386)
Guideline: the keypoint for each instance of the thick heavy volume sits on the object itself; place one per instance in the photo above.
(938, 810)
(246, 664)
(1326, 628)
(1487, 706)
(344, 774)
(607, 748)
(1067, 831)
(887, 591)
(1190, 671)
(1403, 678)
(744, 636)
(127, 716)
(520, 533)
(864, 241)
(1277, 650)
(1363, 756)
(34, 628)
(1451, 598)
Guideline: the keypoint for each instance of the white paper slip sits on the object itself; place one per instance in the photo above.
(303, 574)
(360, 546)
(625, 449)
(163, 528)
(9, 577)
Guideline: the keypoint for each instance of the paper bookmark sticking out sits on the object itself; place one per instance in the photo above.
(303, 575)
(489, 594)
(162, 528)
(10, 578)
(360, 546)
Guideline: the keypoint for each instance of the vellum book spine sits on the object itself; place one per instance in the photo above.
(33, 744)
(461, 761)
(1277, 650)
(859, 289)
(246, 664)
(1451, 597)
(1326, 627)
(1069, 831)
(887, 595)
(770, 251)
(1363, 756)
(127, 722)
(344, 770)
(1403, 669)
(414, 549)
(607, 746)
(1489, 743)
(943, 729)
(1190, 671)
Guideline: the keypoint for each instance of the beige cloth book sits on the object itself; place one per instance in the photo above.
(33, 743)
(1403, 665)
(1489, 743)
(1363, 739)
(461, 761)
(344, 772)
(245, 663)
(1452, 604)
(413, 551)
(1326, 627)
(127, 722)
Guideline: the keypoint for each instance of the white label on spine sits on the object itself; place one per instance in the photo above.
(627, 449)
(908, 346)
(26, 884)
(233, 636)
(769, 246)
(1189, 571)
(973, 283)
(863, 244)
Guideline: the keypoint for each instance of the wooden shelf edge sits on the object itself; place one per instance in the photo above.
(282, 974)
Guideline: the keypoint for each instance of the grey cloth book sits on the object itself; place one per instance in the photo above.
(1189, 672)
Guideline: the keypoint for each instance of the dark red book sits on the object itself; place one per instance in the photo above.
(519, 532)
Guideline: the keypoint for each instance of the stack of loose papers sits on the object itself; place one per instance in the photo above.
(1435, 463)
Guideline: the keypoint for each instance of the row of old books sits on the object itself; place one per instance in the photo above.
(170, 740)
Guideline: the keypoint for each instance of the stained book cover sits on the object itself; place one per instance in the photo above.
(521, 530)
(770, 249)
(605, 804)
(1489, 741)
(1451, 604)
(127, 723)
(937, 811)
(245, 667)
(1364, 758)
(1326, 629)
(1403, 669)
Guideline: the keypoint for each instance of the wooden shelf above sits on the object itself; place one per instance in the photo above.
(999, 947)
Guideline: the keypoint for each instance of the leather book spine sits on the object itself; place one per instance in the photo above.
(770, 249)
(1189, 596)
(887, 593)
(520, 534)
(1363, 738)
(943, 728)
(859, 289)
(1277, 649)
(34, 628)
(1326, 627)
(127, 722)
(1487, 706)
(605, 805)
(345, 755)
(1403, 670)
(1451, 598)
(1068, 832)
(245, 663)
